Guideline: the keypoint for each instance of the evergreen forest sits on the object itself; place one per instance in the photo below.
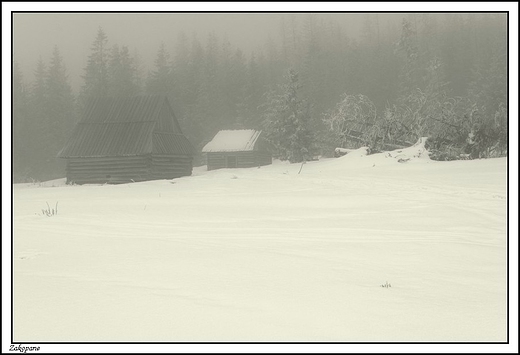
(312, 89)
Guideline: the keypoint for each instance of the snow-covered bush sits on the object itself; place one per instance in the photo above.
(489, 137)
(351, 123)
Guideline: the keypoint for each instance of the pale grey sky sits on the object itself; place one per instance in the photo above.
(35, 35)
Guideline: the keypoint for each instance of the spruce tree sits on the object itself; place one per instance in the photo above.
(286, 123)
(180, 77)
(121, 73)
(96, 75)
(60, 104)
(254, 91)
(189, 83)
(138, 72)
(159, 80)
(407, 48)
(211, 103)
(38, 122)
(21, 143)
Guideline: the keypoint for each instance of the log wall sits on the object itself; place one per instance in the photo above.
(247, 159)
(120, 170)
(170, 167)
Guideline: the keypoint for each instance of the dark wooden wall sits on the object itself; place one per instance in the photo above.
(170, 167)
(120, 170)
(247, 159)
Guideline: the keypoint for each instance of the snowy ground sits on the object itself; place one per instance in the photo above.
(268, 254)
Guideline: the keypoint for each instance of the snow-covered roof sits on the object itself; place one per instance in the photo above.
(233, 141)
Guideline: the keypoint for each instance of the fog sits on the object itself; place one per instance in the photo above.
(35, 35)
(394, 77)
(399, 116)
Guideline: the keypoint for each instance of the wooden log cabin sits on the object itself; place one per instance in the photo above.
(121, 140)
(237, 149)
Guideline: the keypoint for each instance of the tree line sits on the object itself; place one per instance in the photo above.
(312, 89)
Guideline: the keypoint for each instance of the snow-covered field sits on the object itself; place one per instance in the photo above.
(269, 254)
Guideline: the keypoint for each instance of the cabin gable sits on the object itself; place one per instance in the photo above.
(127, 139)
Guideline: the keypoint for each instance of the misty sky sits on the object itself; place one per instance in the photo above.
(35, 35)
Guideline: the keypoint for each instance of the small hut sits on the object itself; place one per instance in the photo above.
(121, 140)
(237, 149)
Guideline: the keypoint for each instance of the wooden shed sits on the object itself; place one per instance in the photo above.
(237, 149)
(121, 140)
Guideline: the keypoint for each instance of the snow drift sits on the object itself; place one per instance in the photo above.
(279, 253)
(415, 153)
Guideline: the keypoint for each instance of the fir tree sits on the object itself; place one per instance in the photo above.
(211, 102)
(253, 92)
(407, 48)
(159, 80)
(181, 81)
(60, 103)
(38, 96)
(38, 121)
(21, 141)
(39, 87)
(286, 123)
(138, 72)
(121, 73)
(96, 76)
